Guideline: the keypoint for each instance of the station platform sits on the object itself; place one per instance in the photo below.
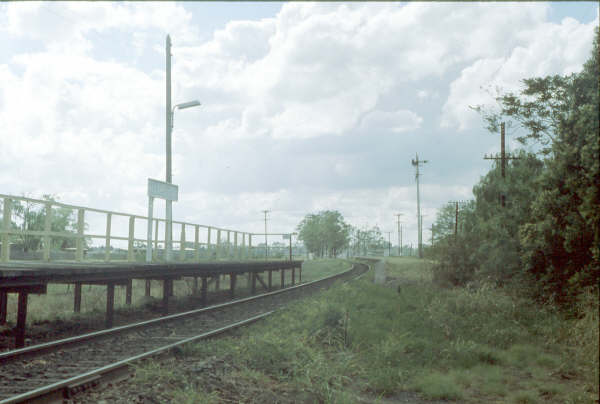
(25, 278)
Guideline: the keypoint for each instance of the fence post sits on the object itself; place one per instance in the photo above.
(218, 243)
(182, 243)
(107, 240)
(230, 251)
(197, 243)
(155, 250)
(80, 228)
(208, 247)
(47, 230)
(130, 253)
(236, 252)
(249, 245)
(5, 228)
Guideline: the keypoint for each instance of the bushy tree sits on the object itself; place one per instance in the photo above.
(550, 226)
(455, 253)
(498, 253)
(562, 241)
(324, 233)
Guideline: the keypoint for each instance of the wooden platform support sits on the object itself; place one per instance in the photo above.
(195, 286)
(282, 272)
(300, 274)
(165, 302)
(171, 293)
(77, 298)
(259, 279)
(23, 293)
(218, 282)
(232, 279)
(293, 276)
(270, 281)
(21, 320)
(147, 292)
(110, 304)
(128, 292)
(253, 283)
(204, 290)
(3, 306)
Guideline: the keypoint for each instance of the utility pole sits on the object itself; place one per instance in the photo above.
(389, 244)
(456, 221)
(416, 163)
(422, 216)
(169, 204)
(456, 216)
(266, 245)
(432, 234)
(503, 158)
(399, 234)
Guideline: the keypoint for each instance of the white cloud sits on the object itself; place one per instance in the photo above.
(288, 102)
(534, 57)
(396, 121)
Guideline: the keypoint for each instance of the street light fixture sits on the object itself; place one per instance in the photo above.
(169, 227)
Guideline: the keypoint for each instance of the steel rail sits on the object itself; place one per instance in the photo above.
(125, 362)
(94, 376)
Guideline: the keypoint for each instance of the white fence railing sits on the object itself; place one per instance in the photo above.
(28, 232)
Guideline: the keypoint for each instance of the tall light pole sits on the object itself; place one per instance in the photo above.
(399, 234)
(417, 163)
(266, 245)
(169, 123)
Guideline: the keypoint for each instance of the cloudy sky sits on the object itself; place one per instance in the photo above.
(305, 106)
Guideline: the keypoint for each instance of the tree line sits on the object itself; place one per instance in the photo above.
(547, 236)
(326, 234)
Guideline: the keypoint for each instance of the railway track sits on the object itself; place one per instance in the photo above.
(56, 370)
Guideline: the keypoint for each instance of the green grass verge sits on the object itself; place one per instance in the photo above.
(360, 342)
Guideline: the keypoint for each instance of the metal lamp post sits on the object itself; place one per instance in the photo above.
(169, 213)
(169, 124)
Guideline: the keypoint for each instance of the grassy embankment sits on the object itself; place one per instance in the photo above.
(359, 342)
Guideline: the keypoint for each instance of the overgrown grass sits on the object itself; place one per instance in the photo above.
(320, 268)
(360, 341)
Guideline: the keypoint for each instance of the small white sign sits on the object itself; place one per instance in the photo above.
(163, 190)
(286, 236)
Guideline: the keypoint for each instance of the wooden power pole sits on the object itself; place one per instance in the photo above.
(399, 234)
(416, 163)
(432, 234)
(503, 158)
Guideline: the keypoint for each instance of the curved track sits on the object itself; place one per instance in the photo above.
(58, 369)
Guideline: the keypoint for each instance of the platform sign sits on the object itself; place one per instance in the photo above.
(163, 190)
(286, 236)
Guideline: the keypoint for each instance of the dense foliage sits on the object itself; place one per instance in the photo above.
(549, 231)
(324, 233)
